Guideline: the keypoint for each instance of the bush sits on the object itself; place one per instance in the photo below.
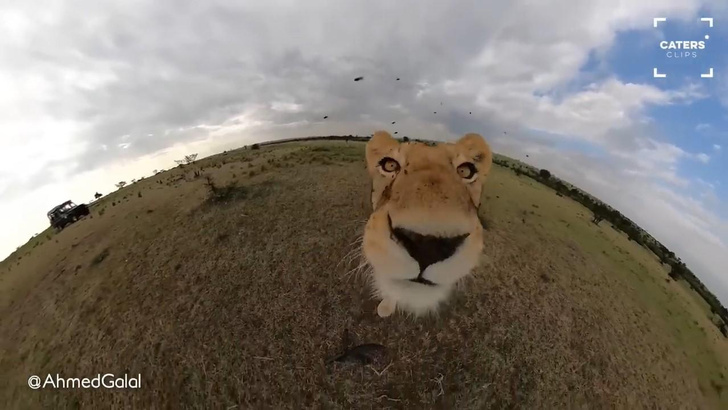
(255, 146)
(544, 173)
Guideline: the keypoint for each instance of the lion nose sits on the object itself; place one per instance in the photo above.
(427, 249)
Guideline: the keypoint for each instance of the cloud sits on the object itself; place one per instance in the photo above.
(716, 147)
(127, 86)
(590, 113)
(703, 157)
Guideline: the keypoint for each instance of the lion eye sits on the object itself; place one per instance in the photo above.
(389, 165)
(467, 170)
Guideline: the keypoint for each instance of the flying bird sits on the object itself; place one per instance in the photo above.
(326, 116)
(358, 78)
(397, 78)
(471, 112)
(395, 132)
(393, 122)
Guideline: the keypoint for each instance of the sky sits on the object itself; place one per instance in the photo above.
(93, 93)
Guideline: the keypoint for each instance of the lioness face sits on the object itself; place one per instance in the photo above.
(424, 233)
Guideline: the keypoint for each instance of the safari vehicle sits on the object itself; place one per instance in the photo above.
(66, 214)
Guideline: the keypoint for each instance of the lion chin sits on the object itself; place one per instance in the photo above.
(423, 235)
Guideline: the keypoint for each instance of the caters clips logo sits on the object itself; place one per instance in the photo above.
(683, 48)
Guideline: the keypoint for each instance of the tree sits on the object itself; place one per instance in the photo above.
(600, 212)
(97, 195)
(188, 159)
(120, 184)
(405, 139)
(544, 173)
(598, 218)
(677, 270)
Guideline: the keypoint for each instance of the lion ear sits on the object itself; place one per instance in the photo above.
(379, 146)
(473, 147)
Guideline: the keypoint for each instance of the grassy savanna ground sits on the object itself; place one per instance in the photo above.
(242, 300)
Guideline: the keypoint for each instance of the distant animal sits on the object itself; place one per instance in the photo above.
(424, 234)
(358, 78)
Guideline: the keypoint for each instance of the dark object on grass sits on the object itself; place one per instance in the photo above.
(100, 257)
(363, 354)
(358, 78)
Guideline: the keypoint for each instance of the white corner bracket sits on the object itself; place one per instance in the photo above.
(657, 75)
(708, 19)
(659, 19)
(709, 75)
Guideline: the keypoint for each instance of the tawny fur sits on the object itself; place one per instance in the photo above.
(426, 195)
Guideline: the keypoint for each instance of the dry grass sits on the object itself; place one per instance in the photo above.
(241, 300)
